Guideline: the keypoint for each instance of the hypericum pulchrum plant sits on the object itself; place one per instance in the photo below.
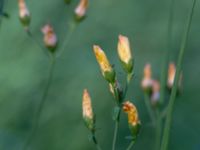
(50, 47)
(119, 93)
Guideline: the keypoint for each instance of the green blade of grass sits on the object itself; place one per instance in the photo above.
(166, 133)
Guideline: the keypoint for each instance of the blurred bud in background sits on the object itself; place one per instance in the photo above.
(81, 9)
(155, 93)
(50, 39)
(24, 14)
(106, 68)
(133, 118)
(88, 115)
(147, 79)
(171, 77)
(124, 53)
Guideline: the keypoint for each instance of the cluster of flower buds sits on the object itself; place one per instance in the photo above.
(81, 9)
(88, 115)
(50, 39)
(133, 118)
(108, 71)
(24, 13)
(171, 76)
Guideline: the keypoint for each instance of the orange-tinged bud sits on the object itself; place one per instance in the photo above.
(24, 13)
(133, 118)
(81, 9)
(124, 53)
(171, 75)
(50, 39)
(147, 80)
(104, 64)
(88, 115)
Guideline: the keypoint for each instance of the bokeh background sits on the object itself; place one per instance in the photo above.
(24, 70)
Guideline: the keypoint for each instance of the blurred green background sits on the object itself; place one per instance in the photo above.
(24, 70)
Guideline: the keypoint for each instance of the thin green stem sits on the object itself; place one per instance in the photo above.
(115, 134)
(32, 37)
(72, 26)
(149, 108)
(41, 104)
(94, 139)
(130, 145)
(166, 133)
(163, 76)
(158, 130)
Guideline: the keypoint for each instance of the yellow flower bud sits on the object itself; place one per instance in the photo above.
(133, 118)
(80, 10)
(124, 53)
(88, 115)
(104, 64)
(147, 80)
(24, 13)
(50, 39)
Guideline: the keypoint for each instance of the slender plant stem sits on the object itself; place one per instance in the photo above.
(115, 134)
(166, 133)
(166, 53)
(94, 139)
(42, 102)
(130, 145)
(149, 109)
(158, 130)
(129, 77)
(32, 37)
(72, 26)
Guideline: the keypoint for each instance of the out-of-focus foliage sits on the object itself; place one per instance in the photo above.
(24, 70)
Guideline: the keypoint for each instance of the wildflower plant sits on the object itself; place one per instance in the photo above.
(52, 48)
(119, 93)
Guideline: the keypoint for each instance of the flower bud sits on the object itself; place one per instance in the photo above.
(155, 92)
(50, 39)
(124, 53)
(133, 118)
(106, 69)
(81, 9)
(147, 80)
(171, 75)
(88, 115)
(24, 13)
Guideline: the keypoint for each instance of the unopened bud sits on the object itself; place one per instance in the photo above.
(88, 115)
(81, 9)
(147, 80)
(133, 118)
(106, 69)
(155, 93)
(171, 75)
(24, 13)
(50, 39)
(124, 53)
